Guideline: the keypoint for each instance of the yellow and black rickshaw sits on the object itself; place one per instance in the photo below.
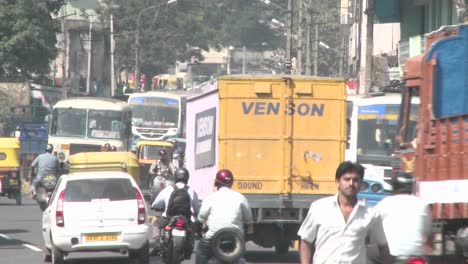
(105, 161)
(10, 179)
(148, 153)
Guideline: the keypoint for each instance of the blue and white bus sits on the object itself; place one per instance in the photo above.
(157, 115)
(372, 123)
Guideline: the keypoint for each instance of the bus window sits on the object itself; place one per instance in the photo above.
(68, 122)
(105, 124)
(156, 115)
(377, 125)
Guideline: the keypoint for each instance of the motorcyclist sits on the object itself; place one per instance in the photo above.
(224, 208)
(163, 165)
(179, 157)
(44, 164)
(162, 200)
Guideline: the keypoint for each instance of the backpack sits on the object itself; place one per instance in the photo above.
(179, 203)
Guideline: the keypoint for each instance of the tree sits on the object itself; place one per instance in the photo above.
(327, 15)
(181, 31)
(27, 38)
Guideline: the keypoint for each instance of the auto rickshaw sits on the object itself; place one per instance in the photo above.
(10, 179)
(148, 153)
(105, 161)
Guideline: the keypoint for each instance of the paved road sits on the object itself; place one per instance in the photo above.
(21, 240)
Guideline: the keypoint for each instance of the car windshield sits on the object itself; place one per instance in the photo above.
(112, 189)
(377, 129)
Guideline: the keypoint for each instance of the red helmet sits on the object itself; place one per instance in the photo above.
(162, 152)
(224, 178)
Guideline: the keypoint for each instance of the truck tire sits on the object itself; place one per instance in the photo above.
(228, 234)
(57, 256)
(282, 247)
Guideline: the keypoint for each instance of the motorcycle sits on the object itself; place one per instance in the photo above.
(44, 190)
(177, 240)
(159, 182)
(227, 246)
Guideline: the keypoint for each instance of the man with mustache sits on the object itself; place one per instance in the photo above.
(337, 227)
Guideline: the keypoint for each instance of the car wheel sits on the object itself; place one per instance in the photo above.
(48, 255)
(42, 206)
(282, 247)
(18, 198)
(140, 256)
(57, 256)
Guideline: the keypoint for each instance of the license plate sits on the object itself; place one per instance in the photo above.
(178, 233)
(102, 237)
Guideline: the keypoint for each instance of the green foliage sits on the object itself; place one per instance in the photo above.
(27, 38)
(328, 17)
(182, 29)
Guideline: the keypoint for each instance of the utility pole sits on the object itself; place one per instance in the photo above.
(90, 57)
(137, 42)
(299, 38)
(342, 51)
(369, 43)
(287, 61)
(243, 59)
(316, 47)
(64, 54)
(136, 78)
(308, 70)
(112, 49)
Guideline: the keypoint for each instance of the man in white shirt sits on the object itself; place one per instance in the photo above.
(407, 223)
(337, 227)
(162, 201)
(222, 209)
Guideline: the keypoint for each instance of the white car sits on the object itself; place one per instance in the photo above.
(96, 211)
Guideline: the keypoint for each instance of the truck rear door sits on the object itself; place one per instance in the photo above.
(282, 136)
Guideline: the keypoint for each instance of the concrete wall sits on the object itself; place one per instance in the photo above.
(386, 38)
(76, 64)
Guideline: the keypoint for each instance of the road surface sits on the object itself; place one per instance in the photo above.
(21, 241)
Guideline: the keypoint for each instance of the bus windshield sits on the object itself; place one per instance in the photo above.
(68, 122)
(105, 124)
(377, 126)
(155, 111)
(377, 129)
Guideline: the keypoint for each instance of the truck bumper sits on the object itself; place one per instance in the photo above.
(275, 208)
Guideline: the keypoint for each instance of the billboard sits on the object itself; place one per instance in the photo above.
(205, 138)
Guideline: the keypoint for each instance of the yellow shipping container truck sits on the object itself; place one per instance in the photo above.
(281, 136)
